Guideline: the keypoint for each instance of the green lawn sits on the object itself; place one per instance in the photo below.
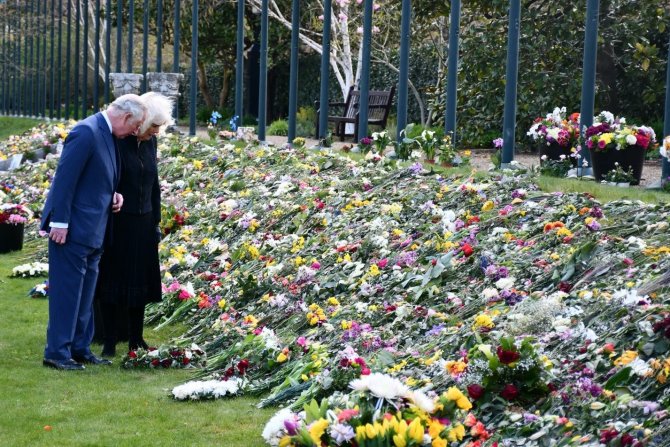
(102, 406)
(15, 126)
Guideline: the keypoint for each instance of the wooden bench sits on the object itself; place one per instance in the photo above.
(379, 106)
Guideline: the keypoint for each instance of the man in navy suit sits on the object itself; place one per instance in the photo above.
(76, 213)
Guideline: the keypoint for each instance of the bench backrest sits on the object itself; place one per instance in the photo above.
(382, 98)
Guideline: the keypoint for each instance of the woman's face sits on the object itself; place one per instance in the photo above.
(153, 129)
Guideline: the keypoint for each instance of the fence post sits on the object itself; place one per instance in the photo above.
(293, 76)
(403, 74)
(84, 94)
(666, 120)
(364, 98)
(452, 70)
(145, 45)
(239, 65)
(131, 34)
(263, 73)
(588, 82)
(96, 59)
(325, 70)
(175, 55)
(159, 36)
(68, 47)
(511, 79)
(194, 65)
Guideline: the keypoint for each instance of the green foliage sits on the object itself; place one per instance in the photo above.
(278, 128)
(305, 119)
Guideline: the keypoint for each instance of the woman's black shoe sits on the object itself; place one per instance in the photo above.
(109, 351)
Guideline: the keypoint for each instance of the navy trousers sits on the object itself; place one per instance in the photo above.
(73, 272)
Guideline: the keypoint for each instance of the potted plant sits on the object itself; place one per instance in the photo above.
(428, 143)
(619, 177)
(556, 135)
(612, 141)
(555, 168)
(12, 221)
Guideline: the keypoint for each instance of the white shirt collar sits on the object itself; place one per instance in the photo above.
(109, 123)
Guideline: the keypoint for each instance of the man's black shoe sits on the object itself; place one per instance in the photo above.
(63, 365)
(91, 359)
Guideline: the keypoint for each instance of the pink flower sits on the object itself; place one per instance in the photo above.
(302, 341)
(316, 265)
(382, 263)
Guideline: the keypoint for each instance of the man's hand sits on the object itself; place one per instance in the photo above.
(117, 202)
(58, 235)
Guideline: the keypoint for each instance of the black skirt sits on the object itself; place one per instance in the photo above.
(129, 273)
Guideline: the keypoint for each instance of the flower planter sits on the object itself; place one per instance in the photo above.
(11, 237)
(604, 161)
(554, 151)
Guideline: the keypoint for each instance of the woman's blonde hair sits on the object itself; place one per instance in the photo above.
(159, 111)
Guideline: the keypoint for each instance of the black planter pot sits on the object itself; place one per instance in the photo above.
(11, 237)
(554, 151)
(604, 161)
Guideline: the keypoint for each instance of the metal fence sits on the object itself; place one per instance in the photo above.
(48, 48)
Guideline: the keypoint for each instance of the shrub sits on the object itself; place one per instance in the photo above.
(278, 128)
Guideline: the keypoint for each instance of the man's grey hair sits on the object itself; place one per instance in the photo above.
(130, 103)
(159, 111)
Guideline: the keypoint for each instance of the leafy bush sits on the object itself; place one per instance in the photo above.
(278, 128)
(305, 119)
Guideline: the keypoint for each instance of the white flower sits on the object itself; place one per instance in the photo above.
(421, 400)
(342, 433)
(505, 283)
(640, 367)
(631, 140)
(208, 389)
(380, 385)
(274, 429)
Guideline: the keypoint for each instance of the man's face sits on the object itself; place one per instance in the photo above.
(129, 126)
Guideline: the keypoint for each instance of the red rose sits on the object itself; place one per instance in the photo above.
(510, 392)
(467, 249)
(476, 391)
(155, 362)
(506, 356)
(186, 361)
(365, 371)
(132, 354)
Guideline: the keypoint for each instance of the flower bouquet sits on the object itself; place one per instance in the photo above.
(556, 135)
(619, 176)
(12, 220)
(165, 357)
(611, 141)
(32, 270)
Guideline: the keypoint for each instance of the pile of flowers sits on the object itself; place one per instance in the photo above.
(31, 270)
(37, 142)
(14, 214)
(165, 357)
(380, 410)
(556, 129)
(314, 272)
(612, 133)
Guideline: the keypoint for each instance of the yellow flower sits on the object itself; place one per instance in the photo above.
(457, 433)
(488, 205)
(281, 358)
(626, 358)
(439, 443)
(222, 304)
(455, 368)
(346, 324)
(435, 428)
(285, 441)
(374, 270)
(332, 301)
(483, 320)
(415, 430)
(317, 429)
(370, 431)
(197, 164)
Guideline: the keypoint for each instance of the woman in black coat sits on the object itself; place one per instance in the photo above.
(129, 271)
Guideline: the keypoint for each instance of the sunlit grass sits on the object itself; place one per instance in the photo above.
(102, 406)
(15, 126)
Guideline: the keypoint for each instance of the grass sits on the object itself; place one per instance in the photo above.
(604, 193)
(15, 126)
(102, 406)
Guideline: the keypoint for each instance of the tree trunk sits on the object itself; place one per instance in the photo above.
(225, 87)
(204, 87)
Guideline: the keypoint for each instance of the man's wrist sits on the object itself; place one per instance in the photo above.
(58, 225)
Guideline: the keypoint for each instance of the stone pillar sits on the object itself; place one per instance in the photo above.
(167, 84)
(124, 83)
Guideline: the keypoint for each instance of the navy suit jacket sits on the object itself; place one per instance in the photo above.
(83, 187)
